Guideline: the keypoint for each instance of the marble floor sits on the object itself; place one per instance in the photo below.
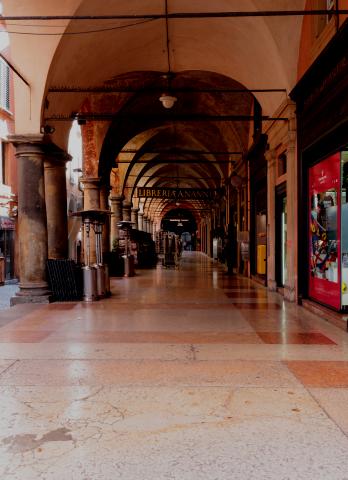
(181, 374)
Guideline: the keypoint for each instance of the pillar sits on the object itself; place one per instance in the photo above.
(135, 218)
(104, 205)
(209, 238)
(146, 224)
(290, 287)
(116, 217)
(271, 219)
(126, 211)
(91, 201)
(56, 202)
(141, 221)
(32, 222)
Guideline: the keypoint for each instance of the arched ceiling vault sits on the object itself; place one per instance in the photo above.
(114, 77)
(258, 52)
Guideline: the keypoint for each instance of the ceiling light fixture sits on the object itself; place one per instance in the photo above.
(166, 98)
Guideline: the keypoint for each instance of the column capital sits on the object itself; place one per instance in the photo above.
(55, 156)
(27, 145)
(140, 214)
(90, 182)
(127, 204)
(116, 198)
(135, 210)
(33, 138)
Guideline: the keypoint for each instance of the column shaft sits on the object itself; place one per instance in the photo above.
(126, 211)
(32, 223)
(135, 218)
(104, 205)
(91, 201)
(116, 217)
(271, 220)
(56, 204)
(141, 221)
(290, 287)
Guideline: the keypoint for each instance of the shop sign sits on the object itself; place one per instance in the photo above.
(6, 223)
(178, 193)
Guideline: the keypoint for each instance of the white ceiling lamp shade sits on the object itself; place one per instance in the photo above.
(167, 100)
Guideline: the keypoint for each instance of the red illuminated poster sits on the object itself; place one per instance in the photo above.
(325, 232)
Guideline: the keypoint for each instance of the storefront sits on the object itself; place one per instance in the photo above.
(258, 208)
(280, 235)
(7, 235)
(322, 113)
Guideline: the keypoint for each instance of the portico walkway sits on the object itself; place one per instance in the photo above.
(181, 374)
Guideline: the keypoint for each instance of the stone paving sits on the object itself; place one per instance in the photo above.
(182, 374)
(6, 292)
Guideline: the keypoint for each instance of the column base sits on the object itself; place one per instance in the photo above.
(290, 293)
(272, 285)
(32, 294)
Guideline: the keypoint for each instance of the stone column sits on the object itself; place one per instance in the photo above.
(290, 287)
(135, 218)
(209, 238)
(146, 224)
(56, 202)
(32, 222)
(126, 211)
(116, 217)
(104, 205)
(271, 220)
(91, 201)
(151, 228)
(141, 221)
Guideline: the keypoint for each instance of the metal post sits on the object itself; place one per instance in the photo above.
(89, 272)
(98, 228)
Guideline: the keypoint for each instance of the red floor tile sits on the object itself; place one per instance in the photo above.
(320, 374)
(155, 337)
(257, 306)
(297, 338)
(246, 294)
(22, 336)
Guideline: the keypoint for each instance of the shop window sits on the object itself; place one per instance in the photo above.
(344, 227)
(281, 234)
(4, 85)
(282, 164)
(324, 235)
(325, 231)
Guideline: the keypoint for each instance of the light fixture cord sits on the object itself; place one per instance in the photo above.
(167, 38)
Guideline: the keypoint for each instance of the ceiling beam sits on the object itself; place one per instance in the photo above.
(178, 151)
(179, 15)
(188, 161)
(151, 89)
(161, 118)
